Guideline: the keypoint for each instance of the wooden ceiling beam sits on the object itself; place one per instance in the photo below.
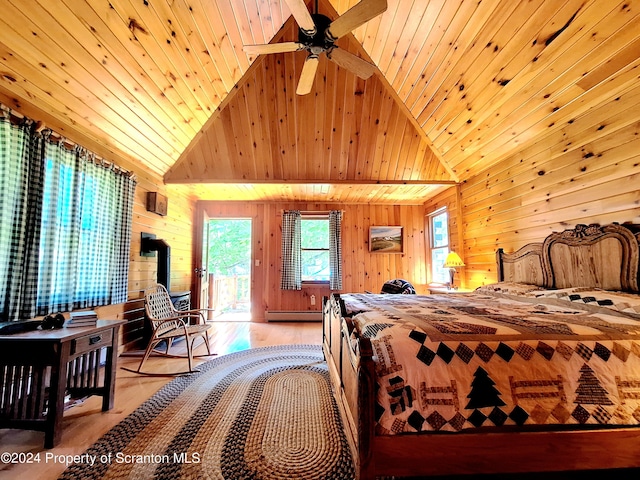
(249, 181)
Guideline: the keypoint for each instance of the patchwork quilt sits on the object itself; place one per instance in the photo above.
(468, 361)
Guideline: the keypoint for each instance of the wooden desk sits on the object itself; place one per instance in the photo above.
(37, 368)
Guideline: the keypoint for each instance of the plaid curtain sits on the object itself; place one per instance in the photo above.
(21, 180)
(291, 254)
(66, 226)
(335, 249)
(86, 229)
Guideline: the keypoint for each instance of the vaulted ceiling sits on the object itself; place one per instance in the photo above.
(460, 85)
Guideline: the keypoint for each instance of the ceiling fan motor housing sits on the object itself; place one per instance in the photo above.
(318, 42)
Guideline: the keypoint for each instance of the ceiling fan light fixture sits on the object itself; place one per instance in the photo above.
(317, 34)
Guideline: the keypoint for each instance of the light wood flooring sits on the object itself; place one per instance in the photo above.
(85, 423)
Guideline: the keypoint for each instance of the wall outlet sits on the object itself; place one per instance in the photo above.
(313, 299)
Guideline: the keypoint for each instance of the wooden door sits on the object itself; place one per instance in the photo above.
(201, 260)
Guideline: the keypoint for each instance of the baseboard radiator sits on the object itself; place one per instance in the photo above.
(289, 316)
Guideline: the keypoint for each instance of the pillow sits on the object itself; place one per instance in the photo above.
(509, 288)
(627, 303)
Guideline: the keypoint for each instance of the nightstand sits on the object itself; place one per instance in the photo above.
(448, 291)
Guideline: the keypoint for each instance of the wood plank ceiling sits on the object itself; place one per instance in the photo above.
(461, 85)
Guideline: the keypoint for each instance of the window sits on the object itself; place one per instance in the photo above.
(65, 232)
(439, 245)
(314, 248)
(311, 249)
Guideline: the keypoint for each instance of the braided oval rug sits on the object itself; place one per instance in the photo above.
(263, 413)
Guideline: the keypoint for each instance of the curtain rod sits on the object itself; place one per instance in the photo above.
(310, 212)
(40, 127)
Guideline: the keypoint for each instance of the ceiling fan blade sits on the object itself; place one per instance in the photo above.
(273, 48)
(354, 64)
(307, 75)
(303, 18)
(357, 15)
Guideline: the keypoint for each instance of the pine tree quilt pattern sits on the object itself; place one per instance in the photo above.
(458, 362)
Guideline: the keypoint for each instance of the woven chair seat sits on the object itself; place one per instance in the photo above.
(179, 331)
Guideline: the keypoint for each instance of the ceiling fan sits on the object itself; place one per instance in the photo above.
(318, 34)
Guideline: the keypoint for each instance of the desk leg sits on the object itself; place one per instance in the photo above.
(53, 430)
(110, 372)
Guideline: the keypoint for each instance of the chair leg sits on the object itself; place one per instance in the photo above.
(189, 344)
(169, 343)
(147, 352)
(205, 338)
(206, 342)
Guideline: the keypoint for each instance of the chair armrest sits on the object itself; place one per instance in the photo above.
(199, 310)
(192, 314)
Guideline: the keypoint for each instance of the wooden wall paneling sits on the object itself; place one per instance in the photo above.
(356, 129)
(379, 142)
(293, 66)
(56, 101)
(131, 88)
(550, 85)
(148, 46)
(593, 166)
(331, 139)
(432, 75)
(404, 18)
(471, 56)
(615, 88)
(205, 35)
(133, 332)
(313, 122)
(348, 118)
(252, 106)
(553, 153)
(259, 272)
(363, 128)
(338, 161)
(184, 36)
(438, 16)
(421, 20)
(482, 88)
(223, 147)
(269, 127)
(552, 185)
(278, 108)
(139, 83)
(410, 159)
(395, 137)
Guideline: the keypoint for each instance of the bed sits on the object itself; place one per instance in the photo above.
(537, 372)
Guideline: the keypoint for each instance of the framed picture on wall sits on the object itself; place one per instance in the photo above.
(385, 239)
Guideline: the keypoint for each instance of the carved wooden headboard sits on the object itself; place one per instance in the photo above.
(604, 257)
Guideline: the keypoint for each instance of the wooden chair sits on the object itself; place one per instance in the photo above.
(169, 324)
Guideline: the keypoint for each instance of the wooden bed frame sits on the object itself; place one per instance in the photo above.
(592, 256)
